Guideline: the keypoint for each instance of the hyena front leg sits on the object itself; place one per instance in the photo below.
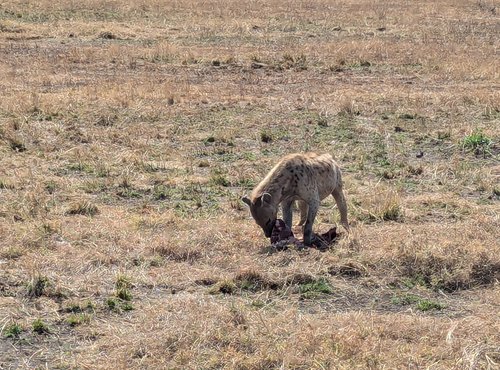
(311, 215)
(287, 212)
(303, 207)
(338, 194)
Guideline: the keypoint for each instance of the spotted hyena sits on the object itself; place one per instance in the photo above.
(307, 178)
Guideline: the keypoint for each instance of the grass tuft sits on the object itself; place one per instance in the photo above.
(266, 136)
(252, 280)
(315, 289)
(124, 294)
(385, 206)
(123, 285)
(4, 184)
(478, 143)
(161, 192)
(17, 145)
(449, 269)
(38, 286)
(112, 303)
(349, 269)
(118, 305)
(84, 208)
(12, 252)
(13, 330)
(79, 307)
(78, 319)
(419, 303)
(219, 178)
(40, 327)
(427, 305)
(405, 299)
(223, 287)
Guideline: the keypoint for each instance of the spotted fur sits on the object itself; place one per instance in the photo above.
(307, 178)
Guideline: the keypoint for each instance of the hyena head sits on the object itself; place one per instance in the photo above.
(263, 212)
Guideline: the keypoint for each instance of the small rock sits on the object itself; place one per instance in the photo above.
(420, 154)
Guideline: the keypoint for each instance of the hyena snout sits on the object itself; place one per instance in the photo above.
(268, 228)
(263, 212)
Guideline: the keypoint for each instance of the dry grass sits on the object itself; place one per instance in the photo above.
(129, 130)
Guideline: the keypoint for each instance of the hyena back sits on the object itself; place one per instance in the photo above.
(307, 178)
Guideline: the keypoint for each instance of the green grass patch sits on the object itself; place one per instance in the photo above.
(315, 288)
(247, 183)
(127, 306)
(161, 192)
(121, 301)
(112, 303)
(124, 294)
(40, 327)
(218, 177)
(13, 330)
(477, 142)
(79, 307)
(123, 281)
(118, 305)
(78, 319)
(257, 303)
(123, 285)
(421, 304)
(80, 167)
(50, 187)
(427, 305)
(94, 186)
(405, 299)
(128, 193)
(414, 281)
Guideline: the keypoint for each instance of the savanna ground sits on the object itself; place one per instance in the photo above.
(130, 129)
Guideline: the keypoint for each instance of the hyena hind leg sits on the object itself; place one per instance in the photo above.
(311, 215)
(304, 208)
(287, 213)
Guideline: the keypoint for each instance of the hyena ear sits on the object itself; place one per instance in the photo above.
(246, 200)
(266, 198)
